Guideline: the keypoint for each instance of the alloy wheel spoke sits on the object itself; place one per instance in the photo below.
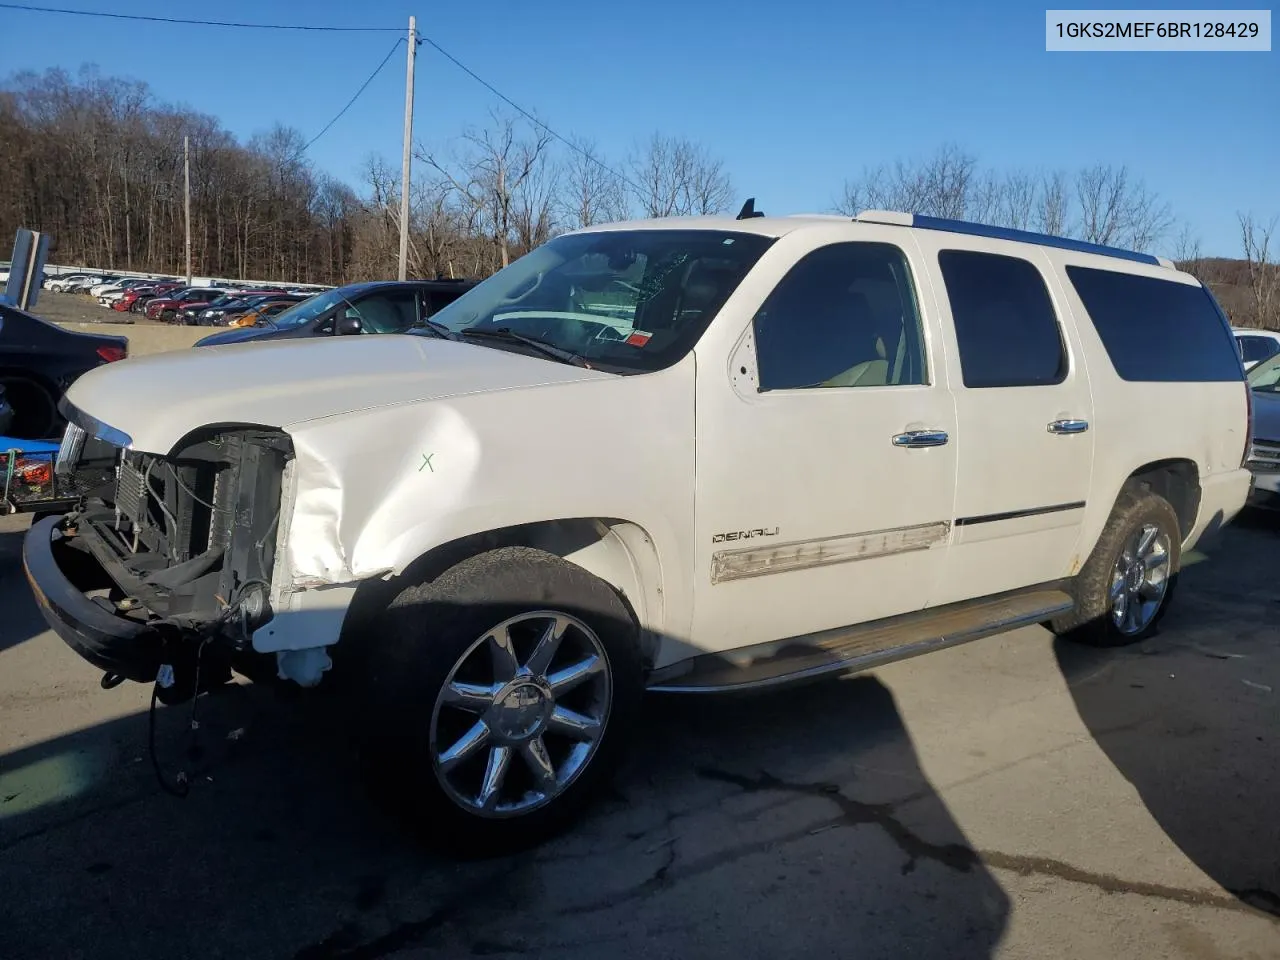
(495, 773)
(1146, 538)
(1155, 561)
(547, 646)
(1120, 603)
(466, 746)
(472, 697)
(539, 763)
(574, 675)
(572, 724)
(1133, 614)
(502, 655)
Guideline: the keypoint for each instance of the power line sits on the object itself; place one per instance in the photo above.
(203, 23)
(394, 47)
(532, 119)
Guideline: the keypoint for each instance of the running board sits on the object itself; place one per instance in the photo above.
(862, 646)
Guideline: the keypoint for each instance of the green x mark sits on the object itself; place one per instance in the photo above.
(426, 462)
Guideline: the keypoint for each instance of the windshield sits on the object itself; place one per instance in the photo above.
(633, 299)
(308, 309)
(1266, 375)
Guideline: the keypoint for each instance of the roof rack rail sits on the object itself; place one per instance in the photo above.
(1005, 233)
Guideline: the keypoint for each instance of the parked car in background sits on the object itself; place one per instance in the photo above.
(38, 361)
(209, 315)
(1256, 345)
(166, 308)
(261, 314)
(143, 300)
(380, 306)
(61, 284)
(106, 294)
(84, 285)
(227, 315)
(499, 532)
(1264, 446)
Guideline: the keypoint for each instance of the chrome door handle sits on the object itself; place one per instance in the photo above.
(920, 438)
(1068, 426)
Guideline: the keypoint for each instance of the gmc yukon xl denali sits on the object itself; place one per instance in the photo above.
(689, 456)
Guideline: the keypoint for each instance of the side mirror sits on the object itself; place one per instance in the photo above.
(348, 324)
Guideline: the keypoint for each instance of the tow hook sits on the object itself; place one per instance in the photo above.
(111, 680)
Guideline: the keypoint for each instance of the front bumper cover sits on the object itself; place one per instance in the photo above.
(58, 576)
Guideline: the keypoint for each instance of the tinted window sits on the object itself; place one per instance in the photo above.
(843, 316)
(1157, 330)
(1004, 319)
(387, 312)
(1254, 349)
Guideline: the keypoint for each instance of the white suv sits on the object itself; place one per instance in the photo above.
(683, 455)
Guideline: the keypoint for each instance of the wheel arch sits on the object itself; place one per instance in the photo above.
(620, 552)
(1176, 479)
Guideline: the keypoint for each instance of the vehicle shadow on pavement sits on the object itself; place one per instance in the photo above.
(1191, 717)
(785, 824)
(19, 618)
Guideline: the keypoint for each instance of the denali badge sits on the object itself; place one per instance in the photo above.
(744, 534)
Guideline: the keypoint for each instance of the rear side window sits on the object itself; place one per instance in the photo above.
(1157, 330)
(1005, 323)
(1257, 349)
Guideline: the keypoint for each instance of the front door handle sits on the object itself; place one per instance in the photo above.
(920, 438)
(1068, 426)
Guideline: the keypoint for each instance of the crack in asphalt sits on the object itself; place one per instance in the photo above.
(962, 858)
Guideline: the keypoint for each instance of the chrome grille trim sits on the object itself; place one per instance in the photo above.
(1264, 455)
(69, 450)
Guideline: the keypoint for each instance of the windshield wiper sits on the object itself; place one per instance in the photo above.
(547, 349)
(436, 327)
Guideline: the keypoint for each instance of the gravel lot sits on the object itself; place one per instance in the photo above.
(1014, 798)
(76, 312)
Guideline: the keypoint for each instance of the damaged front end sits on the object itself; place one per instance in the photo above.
(168, 564)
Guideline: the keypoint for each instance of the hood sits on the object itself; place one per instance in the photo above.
(159, 399)
(1266, 415)
(236, 335)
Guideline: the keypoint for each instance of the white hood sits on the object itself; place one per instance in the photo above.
(158, 399)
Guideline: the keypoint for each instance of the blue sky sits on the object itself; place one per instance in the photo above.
(794, 97)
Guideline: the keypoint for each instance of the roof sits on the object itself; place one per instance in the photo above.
(780, 226)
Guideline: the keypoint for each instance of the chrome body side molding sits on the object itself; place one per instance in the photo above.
(823, 551)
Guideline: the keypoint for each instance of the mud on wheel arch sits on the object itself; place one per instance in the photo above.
(183, 546)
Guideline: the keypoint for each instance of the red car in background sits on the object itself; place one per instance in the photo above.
(137, 300)
(166, 308)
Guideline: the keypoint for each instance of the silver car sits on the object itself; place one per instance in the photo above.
(1264, 447)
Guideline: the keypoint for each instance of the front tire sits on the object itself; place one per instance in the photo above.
(1126, 585)
(502, 694)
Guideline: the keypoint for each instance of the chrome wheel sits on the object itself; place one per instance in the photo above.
(520, 714)
(1140, 580)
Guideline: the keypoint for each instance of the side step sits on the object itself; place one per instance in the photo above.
(862, 646)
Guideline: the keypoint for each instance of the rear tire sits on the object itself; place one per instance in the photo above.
(1125, 587)
(501, 696)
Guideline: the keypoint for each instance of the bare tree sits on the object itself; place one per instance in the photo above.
(674, 177)
(592, 193)
(1118, 211)
(942, 186)
(1186, 253)
(1053, 205)
(1264, 273)
(494, 166)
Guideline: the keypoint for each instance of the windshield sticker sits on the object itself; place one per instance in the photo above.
(638, 338)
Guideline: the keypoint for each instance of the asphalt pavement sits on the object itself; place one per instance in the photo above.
(1015, 798)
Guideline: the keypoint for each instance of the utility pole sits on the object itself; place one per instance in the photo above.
(408, 150)
(186, 172)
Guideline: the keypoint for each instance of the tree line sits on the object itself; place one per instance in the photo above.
(97, 162)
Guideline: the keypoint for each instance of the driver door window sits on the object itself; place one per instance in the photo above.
(390, 312)
(844, 316)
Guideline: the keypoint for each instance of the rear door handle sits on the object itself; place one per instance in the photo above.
(920, 438)
(1068, 426)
